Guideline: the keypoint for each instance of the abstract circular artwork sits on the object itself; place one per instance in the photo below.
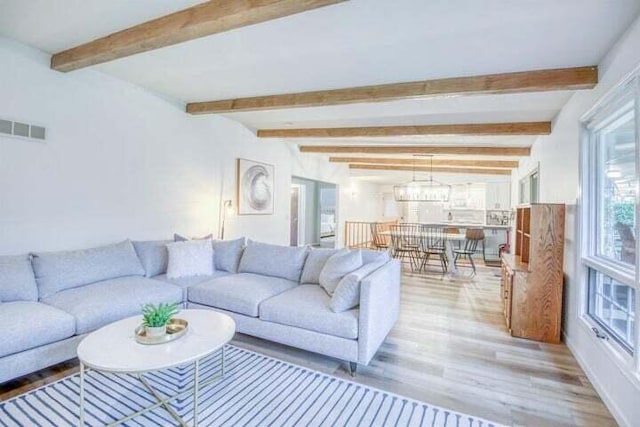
(255, 187)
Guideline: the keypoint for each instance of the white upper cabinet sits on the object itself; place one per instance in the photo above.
(467, 196)
(498, 196)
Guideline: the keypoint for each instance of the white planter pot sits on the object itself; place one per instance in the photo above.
(158, 331)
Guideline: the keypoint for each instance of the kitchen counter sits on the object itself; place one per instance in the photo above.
(462, 225)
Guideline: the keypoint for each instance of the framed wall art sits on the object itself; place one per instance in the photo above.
(255, 187)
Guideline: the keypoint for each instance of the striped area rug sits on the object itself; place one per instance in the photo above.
(256, 391)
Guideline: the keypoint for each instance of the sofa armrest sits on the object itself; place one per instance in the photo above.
(379, 308)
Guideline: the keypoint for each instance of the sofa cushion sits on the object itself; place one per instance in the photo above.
(241, 293)
(338, 266)
(153, 255)
(57, 271)
(186, 282)
(370, 255)
(26, 324)
(228, 254)
(347, 293)
(104, 302)
(307, 307)
(190, 258)
(285, 262)
(17, 282)
(316, 259)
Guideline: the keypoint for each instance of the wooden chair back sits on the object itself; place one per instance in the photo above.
(379, 239)
(472, 237)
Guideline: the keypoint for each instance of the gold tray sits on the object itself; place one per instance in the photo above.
(176, 328)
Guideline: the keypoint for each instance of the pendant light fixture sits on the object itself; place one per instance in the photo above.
(428, 190)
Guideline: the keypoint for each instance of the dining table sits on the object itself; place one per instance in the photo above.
(450, 238)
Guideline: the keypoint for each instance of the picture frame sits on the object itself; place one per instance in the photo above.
(255, 187)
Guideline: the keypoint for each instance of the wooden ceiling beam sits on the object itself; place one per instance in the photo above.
(498, 164)
(474, 129)
(416, 149)
(434, 169)
(204, 19)
(491, 84)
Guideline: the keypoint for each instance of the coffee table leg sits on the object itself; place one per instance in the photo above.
(81, 423)
(196, 392)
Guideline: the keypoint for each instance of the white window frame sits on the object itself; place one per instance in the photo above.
(527, 181)
(628, 90)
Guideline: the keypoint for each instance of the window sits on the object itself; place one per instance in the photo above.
(529, 188)
(612, 306)
(533, 187)
(616, 188)
(609, 204)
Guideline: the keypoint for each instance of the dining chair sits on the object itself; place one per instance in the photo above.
(380, 241)
(433, 242)
(473, 236)
(406, 243)
(453, 230)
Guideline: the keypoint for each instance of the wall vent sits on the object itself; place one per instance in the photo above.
(22, 130)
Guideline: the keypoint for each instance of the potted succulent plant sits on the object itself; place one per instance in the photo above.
(156, 317)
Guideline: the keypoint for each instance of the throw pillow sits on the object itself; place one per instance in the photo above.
(17, 282)
(228, 254)
(347, 293)
(180, 238)
(190, 258)
(316, 260)
(153, 255)
(338, 266)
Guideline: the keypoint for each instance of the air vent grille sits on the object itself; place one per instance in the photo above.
(22, 130)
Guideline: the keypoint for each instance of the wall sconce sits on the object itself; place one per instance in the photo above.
(227, 210)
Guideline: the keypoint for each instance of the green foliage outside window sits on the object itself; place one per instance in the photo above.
(624, 213)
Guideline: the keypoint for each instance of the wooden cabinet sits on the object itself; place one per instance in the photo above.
(506, 290)
(532, 277)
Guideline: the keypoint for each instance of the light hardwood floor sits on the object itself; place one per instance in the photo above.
(450, 348)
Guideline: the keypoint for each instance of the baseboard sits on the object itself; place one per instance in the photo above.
(608, 401)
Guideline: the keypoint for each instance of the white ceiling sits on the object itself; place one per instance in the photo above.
(55, 25)
(360, 42)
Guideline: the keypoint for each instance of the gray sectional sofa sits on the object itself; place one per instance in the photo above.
(50, 301)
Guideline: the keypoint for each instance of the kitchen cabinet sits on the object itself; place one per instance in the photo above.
(498, 196)
(468, 196)
(493, 238)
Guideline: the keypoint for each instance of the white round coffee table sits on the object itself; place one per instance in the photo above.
(113, 348)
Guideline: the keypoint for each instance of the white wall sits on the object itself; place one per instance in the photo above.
(558, 155)
(122, 162)
(361, 200)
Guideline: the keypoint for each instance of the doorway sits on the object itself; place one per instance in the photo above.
(297, 214)
(313, 213)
